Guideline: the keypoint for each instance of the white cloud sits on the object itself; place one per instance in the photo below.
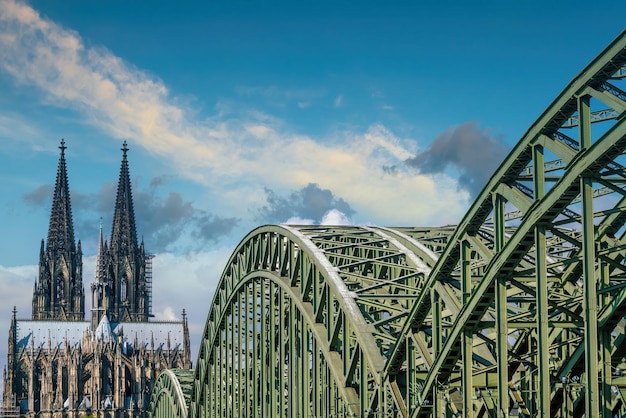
(248, 151)
(299, 221)
(166, 314)
(14, 125)
(187, 282)
(335, 217)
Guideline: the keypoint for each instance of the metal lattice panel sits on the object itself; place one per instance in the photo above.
(304, 318)
(550, 295)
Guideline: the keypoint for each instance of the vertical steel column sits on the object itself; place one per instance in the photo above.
(255, 349)
(362, 371)
(541, 291)
(468, 340)
(605, 335)
(249, 354)
(281, 404)
(224, 372)
(239, 400)
(220, 374)
(590, 301)
(592, 402)
(210, 381)
(272, 351)
(292, 370)
(315, 380)
(501, 315)
(412, 395)
(263, 392)
(233, 358)
(306, 369)
(437, 339)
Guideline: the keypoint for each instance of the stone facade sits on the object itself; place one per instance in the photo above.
(59, 363)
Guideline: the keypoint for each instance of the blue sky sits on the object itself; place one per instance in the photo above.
(243, 113)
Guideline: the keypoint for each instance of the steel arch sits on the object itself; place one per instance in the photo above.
(517, 310)
(171, 393)
(557, 296)
(347, 288)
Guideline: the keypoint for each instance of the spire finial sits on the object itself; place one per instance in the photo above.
(62, 147)
(125, 148)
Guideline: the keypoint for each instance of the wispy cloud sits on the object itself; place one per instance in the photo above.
(275, 93)
(226, 150)
(338, 101)
(13, 125)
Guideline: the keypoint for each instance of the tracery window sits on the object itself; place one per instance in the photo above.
(60, 291)
(124, 289)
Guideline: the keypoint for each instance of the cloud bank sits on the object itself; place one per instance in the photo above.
(233, 149)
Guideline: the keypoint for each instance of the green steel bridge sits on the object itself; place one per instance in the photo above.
(519, 310)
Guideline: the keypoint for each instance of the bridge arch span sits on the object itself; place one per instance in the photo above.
(518, 310)
(171, 393)
(309, 312)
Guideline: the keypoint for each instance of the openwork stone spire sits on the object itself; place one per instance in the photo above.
(59, 289)
(99, 288)
(124, 232)
(100, 266)
(61, 229)
(123, 280)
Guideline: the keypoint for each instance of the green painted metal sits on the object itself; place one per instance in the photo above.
(517, 311)
(306, 316)
(171, 393)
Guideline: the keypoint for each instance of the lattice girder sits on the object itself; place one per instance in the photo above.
(348, 288)
(554, 284)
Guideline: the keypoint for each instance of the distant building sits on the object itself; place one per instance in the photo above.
(58, 363)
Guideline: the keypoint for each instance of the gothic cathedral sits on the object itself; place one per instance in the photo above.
(60, 364)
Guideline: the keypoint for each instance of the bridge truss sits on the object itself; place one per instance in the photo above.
(518, 310)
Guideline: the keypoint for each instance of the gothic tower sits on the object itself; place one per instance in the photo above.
(58, 293)
(60, 364)
(122, 286)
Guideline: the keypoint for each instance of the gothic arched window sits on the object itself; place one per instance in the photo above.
(124, 289)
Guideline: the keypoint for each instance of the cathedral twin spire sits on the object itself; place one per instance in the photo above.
(120, 289)
(124, 232)
(61, 230)
(58, 292)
